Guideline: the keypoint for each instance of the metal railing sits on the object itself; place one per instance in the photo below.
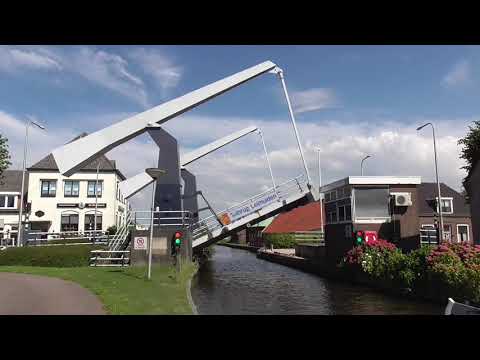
(283, 191)
(113, 258)
(39, 238)
(310, 237)
(428, 236)
(122, 234)
(162, 218)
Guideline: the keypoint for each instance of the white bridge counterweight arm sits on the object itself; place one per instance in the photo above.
(133, 185)
(215, 145)
(73, 156)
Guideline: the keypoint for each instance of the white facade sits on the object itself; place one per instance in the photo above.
(52, 209)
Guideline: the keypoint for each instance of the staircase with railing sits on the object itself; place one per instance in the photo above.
(120, 239)
(285, 195)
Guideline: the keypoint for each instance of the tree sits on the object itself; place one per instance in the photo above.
(471, 148)
(4, 155)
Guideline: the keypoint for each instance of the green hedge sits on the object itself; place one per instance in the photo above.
(280, 241)
(284, 241)
(47, 256)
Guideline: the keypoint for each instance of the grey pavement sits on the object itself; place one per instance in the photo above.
(23, 294)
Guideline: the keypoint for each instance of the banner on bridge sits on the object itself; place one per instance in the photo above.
(247, 209)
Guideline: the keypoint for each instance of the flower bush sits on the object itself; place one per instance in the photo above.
(447, 270)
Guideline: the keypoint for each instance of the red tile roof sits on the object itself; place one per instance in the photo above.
(304, 218)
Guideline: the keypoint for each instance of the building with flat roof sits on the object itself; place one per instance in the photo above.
(401, 209)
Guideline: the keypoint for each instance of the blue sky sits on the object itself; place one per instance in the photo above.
(344, 97)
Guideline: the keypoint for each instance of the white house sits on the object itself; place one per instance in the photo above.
(10, 189)
(59, 203)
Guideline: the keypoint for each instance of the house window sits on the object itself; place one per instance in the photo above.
(90, 222)
(341, 213)
(447, 206)
(92, 186)
(69, 222)
(49, 188)
(7, 201)
(462, 233)
(348, 212)
(372, 203)
(71, 188)
(331, 217)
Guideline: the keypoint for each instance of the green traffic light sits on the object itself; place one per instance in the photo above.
(359, 240)
(177, 242)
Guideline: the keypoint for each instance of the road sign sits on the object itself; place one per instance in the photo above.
(140, 243)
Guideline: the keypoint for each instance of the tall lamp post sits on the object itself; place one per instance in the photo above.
(155, 173)
(20, 215)
(361, 164)
(319, 188)
(440, 232)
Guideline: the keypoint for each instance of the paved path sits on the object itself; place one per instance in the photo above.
(22, 294)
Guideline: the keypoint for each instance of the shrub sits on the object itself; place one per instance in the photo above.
(112, 230)
(280, 241)
(48, 256)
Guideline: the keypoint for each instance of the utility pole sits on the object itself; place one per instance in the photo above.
(439, 202)
(20, 215)
(96, 205)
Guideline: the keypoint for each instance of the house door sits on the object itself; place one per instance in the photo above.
(462, 233)
(447, 232)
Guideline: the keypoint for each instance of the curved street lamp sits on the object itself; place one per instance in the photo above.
(440, 233)
(20, 214)
(361, 164)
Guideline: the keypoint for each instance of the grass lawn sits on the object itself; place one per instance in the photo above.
(126, 291)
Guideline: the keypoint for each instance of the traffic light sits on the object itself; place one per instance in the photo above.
(359, 237)
(176, 242)
(178, 238)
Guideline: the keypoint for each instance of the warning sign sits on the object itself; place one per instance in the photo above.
(140, 243)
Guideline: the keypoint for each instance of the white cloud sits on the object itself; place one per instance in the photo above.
(12, 59)
(239, 170)
(157, 65)
(459, 75)
(107, 70)
(313, 99)
(103, 68)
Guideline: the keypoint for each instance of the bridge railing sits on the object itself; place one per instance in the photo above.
(162, 218)
(283, 191)
(38, 238)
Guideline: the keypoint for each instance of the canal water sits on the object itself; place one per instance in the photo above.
(235, 281)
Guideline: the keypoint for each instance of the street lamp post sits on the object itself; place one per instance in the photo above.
(361, 165)
(20, 215)
(319, 189)
(155, 173)
(438, 183)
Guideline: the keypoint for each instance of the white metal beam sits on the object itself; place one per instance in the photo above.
(138, 182)
(133, 185)
(215, 145)
(73, 156)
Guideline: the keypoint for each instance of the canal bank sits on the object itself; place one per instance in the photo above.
(333, 273)
(235, 281)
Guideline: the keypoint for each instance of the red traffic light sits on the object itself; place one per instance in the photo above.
(178, 235)
(359, 233)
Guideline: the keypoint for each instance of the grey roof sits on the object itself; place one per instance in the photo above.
(49, 163)
(428, 192)
(11, 180)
